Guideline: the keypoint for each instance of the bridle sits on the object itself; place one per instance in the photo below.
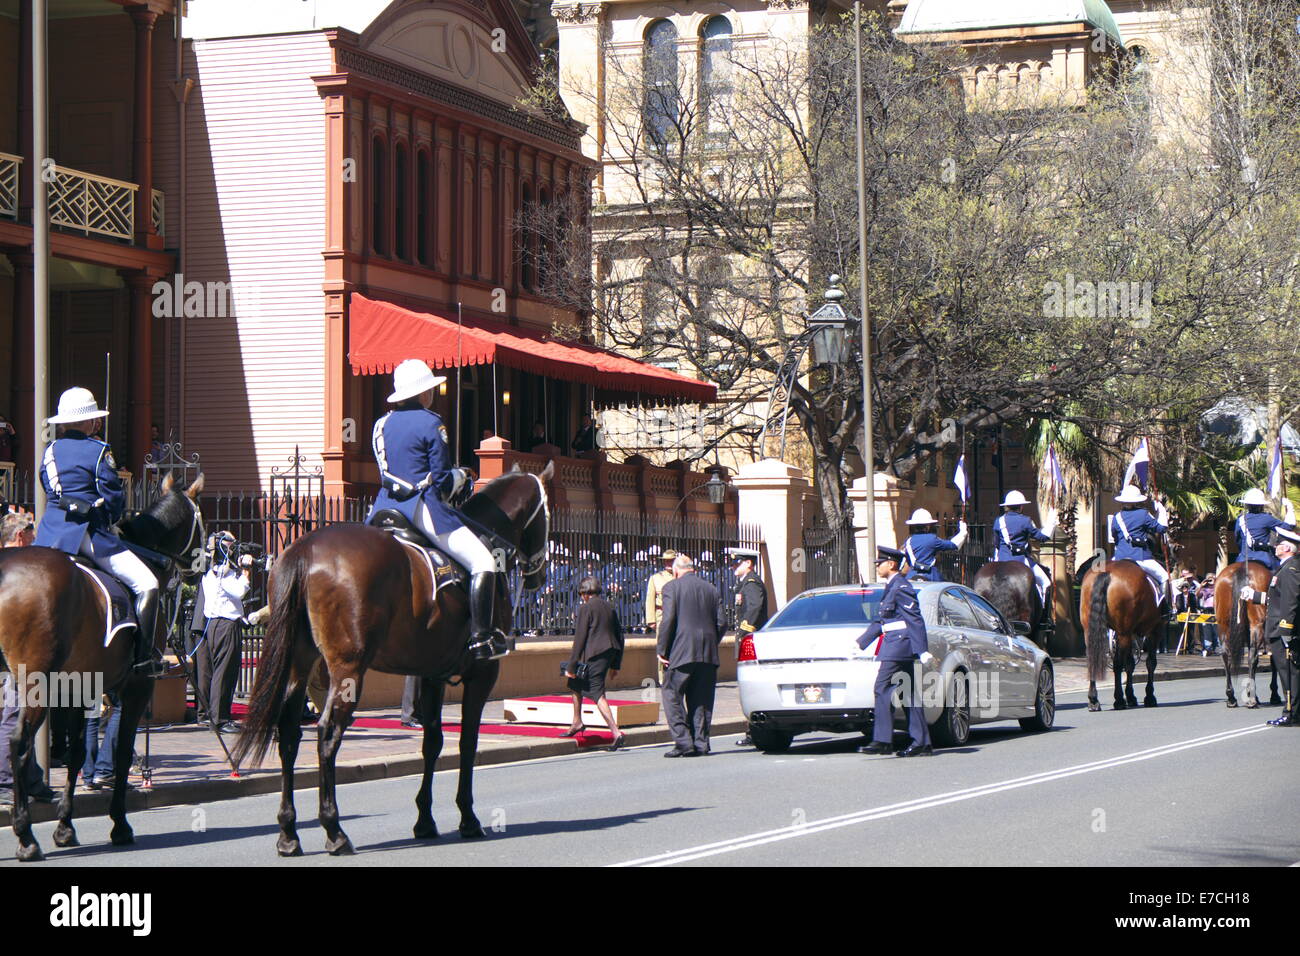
(196, 530)
(532, 564)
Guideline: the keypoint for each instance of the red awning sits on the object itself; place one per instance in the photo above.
(382, 335)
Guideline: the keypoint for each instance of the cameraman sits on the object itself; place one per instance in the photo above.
(224, 587)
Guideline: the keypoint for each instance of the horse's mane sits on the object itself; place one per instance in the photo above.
(148, 528)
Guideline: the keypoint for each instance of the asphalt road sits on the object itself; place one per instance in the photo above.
(1187, 783)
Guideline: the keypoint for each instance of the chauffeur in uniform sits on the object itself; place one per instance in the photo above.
(751, 603)
(1282, 627)
(901, 632)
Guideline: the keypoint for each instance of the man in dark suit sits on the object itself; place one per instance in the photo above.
(689, 633)
(1283, 622)
(901, 632)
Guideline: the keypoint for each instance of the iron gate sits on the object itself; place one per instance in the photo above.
(830, 554)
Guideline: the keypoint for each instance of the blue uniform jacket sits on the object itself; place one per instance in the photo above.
(921, 550)
(410, 446)
(79, 468)
(900, 622)
(1013, 532)
(1143, 530)
(1252, 530)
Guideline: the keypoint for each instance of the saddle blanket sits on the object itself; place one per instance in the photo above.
(117, 597)
(442, 570)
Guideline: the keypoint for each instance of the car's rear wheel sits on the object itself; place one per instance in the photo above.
(770, 741)
(1044, 702)
(953, 727)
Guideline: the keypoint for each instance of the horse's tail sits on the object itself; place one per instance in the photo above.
(1097, 641)
(267, 698)
(1238, 617)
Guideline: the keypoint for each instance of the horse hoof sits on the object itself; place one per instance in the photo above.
(65, 836)
(1121, 705)
(1275, 701)
(1094, 707)
(1149, 702)
(1132, 701)
(340, 847)
(122, 835)
(472, 833)
(1252, 705)
(426, 831)
(288, 847)
(1231, 702)
(30, 853)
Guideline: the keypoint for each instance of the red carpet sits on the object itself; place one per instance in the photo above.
(588, 738)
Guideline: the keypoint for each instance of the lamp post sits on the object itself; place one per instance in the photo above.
(868, 433)
(716, 487)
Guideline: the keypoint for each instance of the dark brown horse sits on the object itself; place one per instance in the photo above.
(52, 635)
(1009, 586)
(361, 599)
(1236, 627)
(1117, 597)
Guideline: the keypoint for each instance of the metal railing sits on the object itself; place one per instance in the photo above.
(830, 554)
(9, 170)
(92, 204)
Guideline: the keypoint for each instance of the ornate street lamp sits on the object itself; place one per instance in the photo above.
(716, 487)
(824, 333)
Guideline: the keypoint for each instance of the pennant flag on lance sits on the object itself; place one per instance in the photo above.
(1054, 474)
(1139, 469)
(1275, 487)
(960, 480)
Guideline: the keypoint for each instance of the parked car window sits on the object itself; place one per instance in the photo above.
(830, 609)
(990, 619)
(954, 611)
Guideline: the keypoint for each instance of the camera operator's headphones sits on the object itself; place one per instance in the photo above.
(223, 544)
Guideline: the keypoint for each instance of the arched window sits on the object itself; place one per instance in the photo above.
(378, 194)
(659, 66)
(401, 198)
(715, 73)
(527, 274)
(423, 205)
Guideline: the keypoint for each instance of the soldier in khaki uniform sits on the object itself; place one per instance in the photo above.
(654, 598)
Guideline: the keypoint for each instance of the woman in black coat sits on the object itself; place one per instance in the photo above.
(598, 643)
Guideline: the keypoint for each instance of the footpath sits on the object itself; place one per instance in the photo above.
(189, 766)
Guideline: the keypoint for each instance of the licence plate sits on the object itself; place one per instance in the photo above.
(812, 694)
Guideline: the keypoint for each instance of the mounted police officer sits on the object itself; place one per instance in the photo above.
(1282, 627)
(1254, 526)
(1134, 532)
(86, 500)
(903, 641)
(1012, 533)
(411, 446)
(924, 545)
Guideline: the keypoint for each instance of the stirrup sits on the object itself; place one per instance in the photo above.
(490, 647)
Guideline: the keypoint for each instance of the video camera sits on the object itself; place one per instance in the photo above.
(225, 550)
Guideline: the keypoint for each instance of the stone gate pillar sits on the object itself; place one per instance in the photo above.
(771, 497)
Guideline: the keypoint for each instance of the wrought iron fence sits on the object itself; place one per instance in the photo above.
(623, 551)
(962, 566)
(830, 554)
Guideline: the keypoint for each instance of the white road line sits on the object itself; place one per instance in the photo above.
(926, 803)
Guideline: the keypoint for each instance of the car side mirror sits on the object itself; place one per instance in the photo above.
(1022, 628)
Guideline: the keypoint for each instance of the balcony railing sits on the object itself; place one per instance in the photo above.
(9, 184)
(83, 201)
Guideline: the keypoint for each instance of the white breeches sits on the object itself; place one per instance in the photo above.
(126, 567)
(462, 544)
(1158, 575)
(1040, 576)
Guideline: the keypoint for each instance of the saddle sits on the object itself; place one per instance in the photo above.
(118, 597)
(443, 568)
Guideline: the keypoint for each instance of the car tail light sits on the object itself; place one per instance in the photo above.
(746, 652)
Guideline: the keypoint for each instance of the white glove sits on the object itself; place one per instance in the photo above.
(960, 537)
(927, 658)
(1288, 511)
(1049, 526)
(458, 478)
(1162, 513)
(1247, 593)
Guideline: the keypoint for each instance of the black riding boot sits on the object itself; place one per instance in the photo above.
(485, 640)
(148, 661)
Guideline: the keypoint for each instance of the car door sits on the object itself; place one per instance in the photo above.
(1015, 662)
(954, 613)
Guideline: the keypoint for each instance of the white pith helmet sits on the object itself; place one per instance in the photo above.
(76, 405)
(1014, 498)
(1254, 497)
(1131, 495)
(413, 378)
(921, 516)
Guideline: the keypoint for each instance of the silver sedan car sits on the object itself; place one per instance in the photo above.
(803, 671)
